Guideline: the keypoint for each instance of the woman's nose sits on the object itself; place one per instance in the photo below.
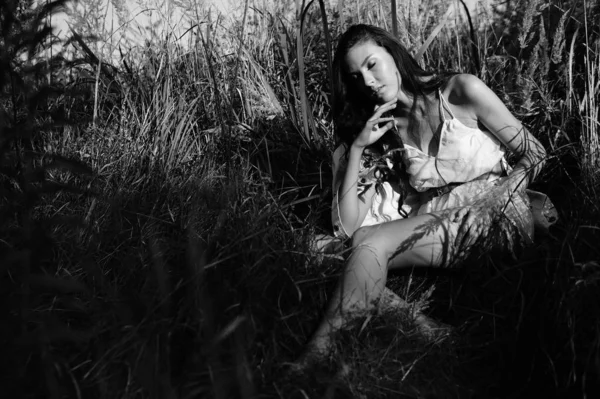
(368, 80)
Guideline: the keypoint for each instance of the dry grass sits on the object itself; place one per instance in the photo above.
(156, 217)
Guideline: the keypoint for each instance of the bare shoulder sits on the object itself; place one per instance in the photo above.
(472, 96)
(339, 155)
(465, 88)
(340, 151)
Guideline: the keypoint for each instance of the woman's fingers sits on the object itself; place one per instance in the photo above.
(468, 231)
(372, 131)
(388, 126)
(466, 234)
(377, 115)
(385, 119)
(378, 132)
(384, 108)
(472, 235)
(460, 234)
(377, 107)
(459, 214)
(385, 127)
(475, 223)
(376, 121)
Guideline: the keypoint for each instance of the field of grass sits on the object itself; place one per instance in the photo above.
(157, 213)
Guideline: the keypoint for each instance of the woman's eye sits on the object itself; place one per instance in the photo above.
(371, 65)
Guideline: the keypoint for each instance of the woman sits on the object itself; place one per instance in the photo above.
(451, 132)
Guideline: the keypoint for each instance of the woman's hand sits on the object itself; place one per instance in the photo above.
(473, 221)
(516, 182)
(372, 131)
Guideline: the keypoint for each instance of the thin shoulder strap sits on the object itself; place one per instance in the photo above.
(444, 105)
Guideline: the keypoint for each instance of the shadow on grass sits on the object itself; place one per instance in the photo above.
(170, 286)
(206, 286)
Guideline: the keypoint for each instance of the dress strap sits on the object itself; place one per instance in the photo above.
(444, 105)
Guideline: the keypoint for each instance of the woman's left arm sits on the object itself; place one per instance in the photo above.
(480, 100)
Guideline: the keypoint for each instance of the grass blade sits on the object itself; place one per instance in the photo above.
(433, 34)
(328, 48)
(307, 117)
(394, 18)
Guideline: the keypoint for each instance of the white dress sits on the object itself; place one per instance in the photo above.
(467, 170)
(385, 206)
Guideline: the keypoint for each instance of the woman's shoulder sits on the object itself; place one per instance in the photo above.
(339, 156)
(463, 88)
(339, 152)
(340, 149)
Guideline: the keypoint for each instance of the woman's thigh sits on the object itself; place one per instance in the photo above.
(424, 240)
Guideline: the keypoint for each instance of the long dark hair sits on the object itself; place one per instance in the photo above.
(351, 109)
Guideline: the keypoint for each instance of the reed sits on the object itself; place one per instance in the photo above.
(158, 213)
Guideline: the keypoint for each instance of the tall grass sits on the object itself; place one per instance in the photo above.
(183, 265)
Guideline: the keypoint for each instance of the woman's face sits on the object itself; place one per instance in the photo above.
(373, 71)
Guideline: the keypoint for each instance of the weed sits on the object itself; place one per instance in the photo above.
(157, 213)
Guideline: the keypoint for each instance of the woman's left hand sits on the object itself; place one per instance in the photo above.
(473, 222)
(516, 182)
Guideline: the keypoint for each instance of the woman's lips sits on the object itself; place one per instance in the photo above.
(377, 91)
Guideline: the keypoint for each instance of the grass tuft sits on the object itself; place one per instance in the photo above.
(158, 213)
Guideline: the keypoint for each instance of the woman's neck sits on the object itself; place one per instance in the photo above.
(406, 100)
(412, 105)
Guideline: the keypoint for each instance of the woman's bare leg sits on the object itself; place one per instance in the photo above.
(418, 241)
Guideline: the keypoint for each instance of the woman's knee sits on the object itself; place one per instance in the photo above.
(361, 235)
(372, 236)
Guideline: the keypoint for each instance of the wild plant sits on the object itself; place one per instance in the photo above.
(184, 266)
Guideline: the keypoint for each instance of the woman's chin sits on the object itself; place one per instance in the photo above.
(388, 94)
(384, 99)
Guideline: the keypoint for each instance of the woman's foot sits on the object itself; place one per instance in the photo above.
(429, 328)
(309, 358)
(389, 300)
(432, 330)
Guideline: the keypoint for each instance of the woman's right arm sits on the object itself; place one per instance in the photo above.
(352, 209)
(349, 207)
